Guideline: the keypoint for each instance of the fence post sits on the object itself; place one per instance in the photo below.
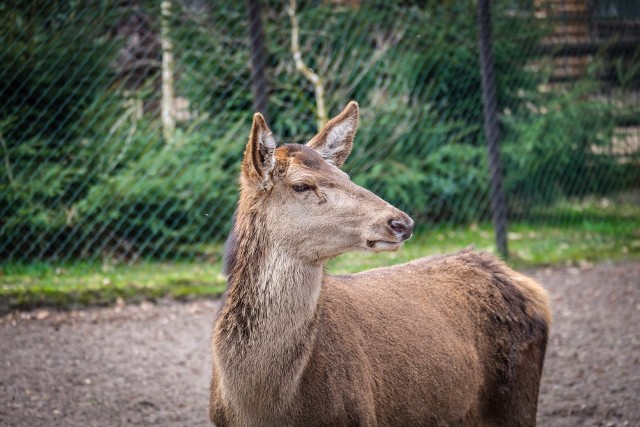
(490, 103)
(258, 54)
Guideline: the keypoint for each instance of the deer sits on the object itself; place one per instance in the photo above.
(446, 340)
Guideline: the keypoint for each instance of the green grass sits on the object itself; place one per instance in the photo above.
(529, 246)
(91, 283)
(592, 231)
(588, 232)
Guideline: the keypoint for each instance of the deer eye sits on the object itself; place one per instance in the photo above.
(300, 187)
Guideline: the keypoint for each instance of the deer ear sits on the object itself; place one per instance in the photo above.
(335, 140)
(259, 160)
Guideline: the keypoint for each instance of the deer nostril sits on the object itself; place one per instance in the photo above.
(401, 227)
(398, 226)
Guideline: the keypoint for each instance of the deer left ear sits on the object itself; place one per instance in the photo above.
(335, 140)
(258, 161)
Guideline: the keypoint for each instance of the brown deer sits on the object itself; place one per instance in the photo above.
(447, 340)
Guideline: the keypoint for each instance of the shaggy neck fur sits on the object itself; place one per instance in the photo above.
(267, 326)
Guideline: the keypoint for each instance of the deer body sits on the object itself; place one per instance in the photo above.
(451, 340)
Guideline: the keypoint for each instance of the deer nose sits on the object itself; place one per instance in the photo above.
(402, 227)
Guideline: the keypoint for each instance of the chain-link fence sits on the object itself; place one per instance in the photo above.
(122, 123)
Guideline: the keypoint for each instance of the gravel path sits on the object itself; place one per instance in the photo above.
(149, 364)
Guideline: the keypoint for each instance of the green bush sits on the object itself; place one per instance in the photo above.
(90, 172)
(416, 76)
(55, 64)
(561, 148)
(445, 185)
(173, 194)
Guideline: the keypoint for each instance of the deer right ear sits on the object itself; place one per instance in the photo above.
(335, 140)
(258, 161)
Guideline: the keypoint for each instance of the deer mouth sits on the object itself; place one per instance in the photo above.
(383, 245)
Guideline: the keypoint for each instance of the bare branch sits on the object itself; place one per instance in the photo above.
(7, 162)
(168, 119)
(308, 73)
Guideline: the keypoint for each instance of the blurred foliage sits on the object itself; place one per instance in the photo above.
(55, 67)
(557, 149)
(87, 172)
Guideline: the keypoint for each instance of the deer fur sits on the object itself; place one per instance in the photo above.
(441, 341)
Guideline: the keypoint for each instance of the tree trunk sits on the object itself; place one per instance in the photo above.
(168, 117)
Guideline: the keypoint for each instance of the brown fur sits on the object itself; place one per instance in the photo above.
(448, 340)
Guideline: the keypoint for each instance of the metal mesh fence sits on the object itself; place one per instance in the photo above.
(123, 123)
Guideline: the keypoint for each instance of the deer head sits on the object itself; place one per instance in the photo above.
(300, 202)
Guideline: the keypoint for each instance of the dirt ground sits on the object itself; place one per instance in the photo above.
(149, 364)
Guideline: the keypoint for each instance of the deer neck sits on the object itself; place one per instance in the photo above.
(279, 289)
(266, 328)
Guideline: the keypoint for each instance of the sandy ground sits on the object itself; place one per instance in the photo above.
(149, 364)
